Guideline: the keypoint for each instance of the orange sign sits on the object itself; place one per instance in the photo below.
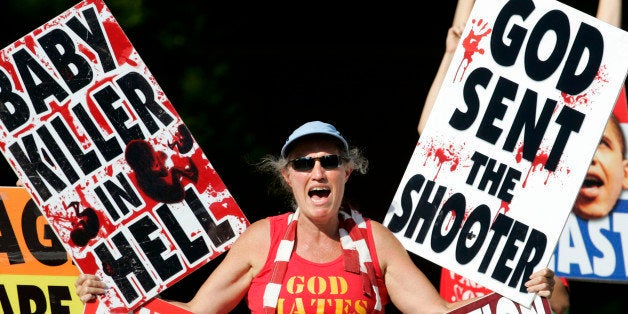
(36, 273)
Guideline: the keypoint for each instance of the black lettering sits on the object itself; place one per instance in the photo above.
(113, 213)
(61, 51)
(117, 115)
(28, 295)
(87, 161)
(463, 120)
(501, 227)
(553, 21)
(570, 121)
(28, 65)
(479, 160)
(192, 250)
(53, 147)
(492, 176)
(5, 304)
(506, 48)
(496, 110)
(128, 264)
(135, 87)
(536, 243)
(590, 39)
(53, 255)
(108, 148)
(34, 168)
(8, 240)
(122, 194)
(426, 210)
(94, 37)
(14, 111)
(397, 223)
(220, 233)
(534, 132)
(481, 216)
(518, 233)
(455, 203)
(508, 184)
(154, 248)
(59, 294)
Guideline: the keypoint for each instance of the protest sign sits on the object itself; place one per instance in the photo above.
(36, 273)
(495, 303)
(596, 249)
(507, 145)
(107, 159)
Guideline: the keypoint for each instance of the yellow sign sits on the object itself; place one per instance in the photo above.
(36, 273)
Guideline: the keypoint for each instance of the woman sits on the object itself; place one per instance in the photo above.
(323, 257)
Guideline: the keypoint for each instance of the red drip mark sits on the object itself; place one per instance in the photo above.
(539, 162)
(120, 44)
(93, 108)
(446, 155)
(451, 220)
(471, 45)
(573, 101)
(89, 54)
(505, 206)
(467, 212)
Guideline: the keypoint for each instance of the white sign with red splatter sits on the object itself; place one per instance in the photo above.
(509, 140)
(108, 160)
(495, 303)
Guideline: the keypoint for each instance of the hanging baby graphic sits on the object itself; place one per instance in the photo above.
(108, 160)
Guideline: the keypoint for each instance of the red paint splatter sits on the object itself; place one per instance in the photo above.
(471, 45)
(538, 164)
(88, 53)
(505, 206)
(621, 107)
(448, 155)
(582, 99)
(451, 220)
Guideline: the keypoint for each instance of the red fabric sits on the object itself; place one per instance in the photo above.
(454, 287)
(621, 108)
(312, 287)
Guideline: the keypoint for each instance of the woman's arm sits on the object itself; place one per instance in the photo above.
(230, 281)
(463, 10)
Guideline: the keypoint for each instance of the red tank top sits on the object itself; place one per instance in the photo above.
(314, 287)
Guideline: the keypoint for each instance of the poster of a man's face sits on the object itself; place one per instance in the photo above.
(591, 245)
(607, 176)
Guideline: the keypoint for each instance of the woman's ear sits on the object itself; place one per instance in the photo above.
(348, 172)
(286, 176)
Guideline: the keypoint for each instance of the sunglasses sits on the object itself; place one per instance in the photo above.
(329, 162)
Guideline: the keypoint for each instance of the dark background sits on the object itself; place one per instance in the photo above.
(243, 78)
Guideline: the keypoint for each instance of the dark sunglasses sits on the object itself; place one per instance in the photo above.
(329, 162)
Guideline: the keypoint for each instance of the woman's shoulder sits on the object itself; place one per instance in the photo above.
(260, 229)
(384, 239)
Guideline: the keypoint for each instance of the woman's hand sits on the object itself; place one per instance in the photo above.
(542, 283)
(88, 287)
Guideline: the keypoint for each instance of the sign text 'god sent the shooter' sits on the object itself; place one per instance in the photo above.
(509, 140)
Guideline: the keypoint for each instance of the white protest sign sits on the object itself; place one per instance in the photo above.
(108, 160)
(506, 147)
